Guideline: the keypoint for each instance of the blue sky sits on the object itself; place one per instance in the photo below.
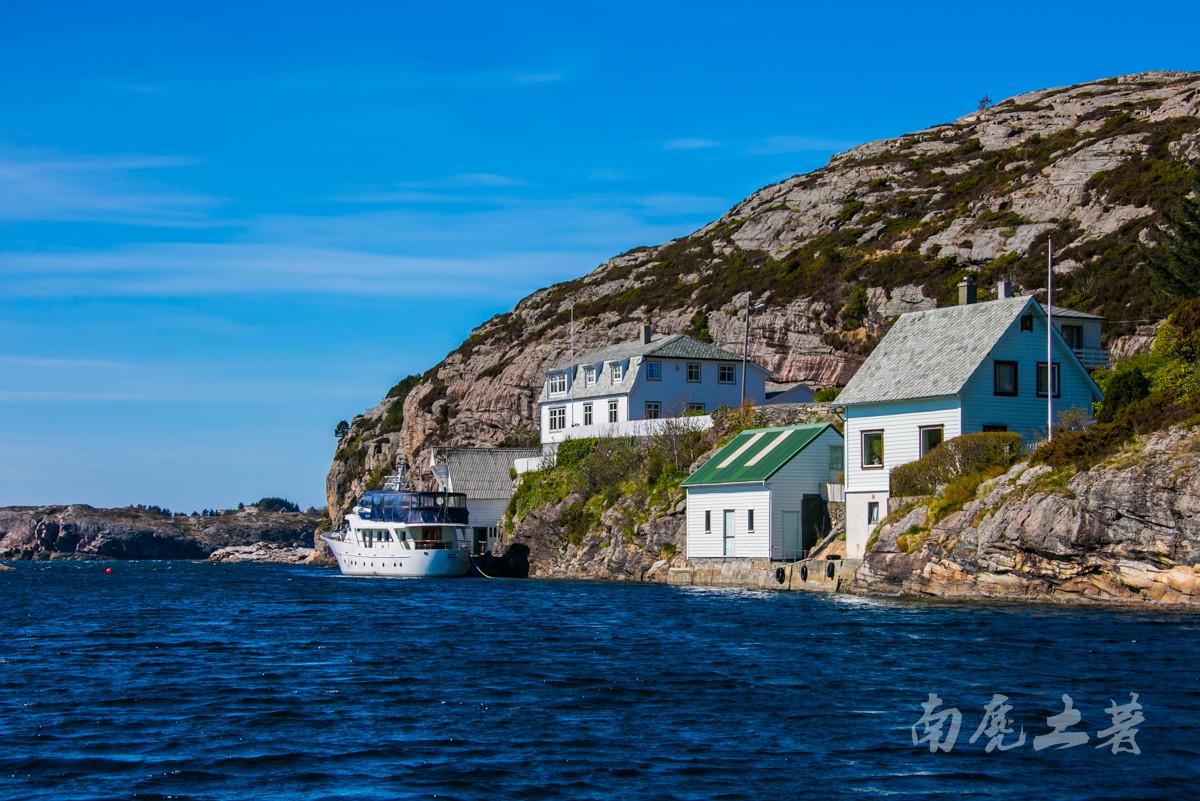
(225, 227)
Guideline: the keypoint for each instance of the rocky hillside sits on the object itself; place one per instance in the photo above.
(885, 228)
(59, 532)
(1128, 530)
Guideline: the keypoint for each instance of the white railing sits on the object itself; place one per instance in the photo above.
(1092, 357)
(626, 428)
(835, 493)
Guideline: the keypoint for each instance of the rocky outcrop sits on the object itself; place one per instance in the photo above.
(899, 219)
(263, 552)
(79, 531)
(646, 554)
(1128, 530)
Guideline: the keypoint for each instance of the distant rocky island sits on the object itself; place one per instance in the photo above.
(84, 532)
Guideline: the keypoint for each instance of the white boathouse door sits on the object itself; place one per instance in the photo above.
(729, 541)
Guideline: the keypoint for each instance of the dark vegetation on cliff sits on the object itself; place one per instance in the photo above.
(890, 226)
(1143, 394)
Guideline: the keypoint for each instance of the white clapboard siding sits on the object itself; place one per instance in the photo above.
(802, 475)
(485, 512)
(784, 491)
(673, 392)
(716, 499)
(901, 423)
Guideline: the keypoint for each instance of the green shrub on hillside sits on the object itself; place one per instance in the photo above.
(1125, 386)
(962, 456)
(633, 475)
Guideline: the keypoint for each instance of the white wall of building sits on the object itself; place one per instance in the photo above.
(901, 423)
(707, 543)
(673, 392)
(783, 492)
(858, 525)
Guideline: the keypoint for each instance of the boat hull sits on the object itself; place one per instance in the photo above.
(397, 561)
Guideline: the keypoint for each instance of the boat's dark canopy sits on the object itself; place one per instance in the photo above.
(395, 506)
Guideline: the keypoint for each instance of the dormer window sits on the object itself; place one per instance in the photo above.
(591, 375)
(618, 372)
(1027, 322)
(558, 383)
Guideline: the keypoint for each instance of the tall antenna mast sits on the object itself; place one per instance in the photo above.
(1049, 340)
(571, 372)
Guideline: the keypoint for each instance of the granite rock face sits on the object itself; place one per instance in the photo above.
(645, 555)
(79, 531)
(898, 218)
(1126, 531)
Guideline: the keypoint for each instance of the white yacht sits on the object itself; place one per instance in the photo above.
(398, 532)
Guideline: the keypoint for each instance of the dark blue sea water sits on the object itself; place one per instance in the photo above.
(198, 681)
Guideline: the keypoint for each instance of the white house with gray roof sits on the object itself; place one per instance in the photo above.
(617, 390)
(946, 372)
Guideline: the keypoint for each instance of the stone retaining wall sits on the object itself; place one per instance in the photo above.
(809, 575)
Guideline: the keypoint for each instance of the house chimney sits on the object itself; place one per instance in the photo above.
(966, 291)
(1003, 290)
(646, 334)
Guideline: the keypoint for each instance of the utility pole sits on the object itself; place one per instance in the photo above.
(1049, 340)
(746, 343)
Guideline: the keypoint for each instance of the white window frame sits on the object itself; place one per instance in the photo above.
(558, 383)
(941, 429)
(558, 414)
(1040, 380)
(614, 411)
(875, 432)
(591, 375)
(618, 372)
(587, 414)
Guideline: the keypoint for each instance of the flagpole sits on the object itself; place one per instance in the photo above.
(1049, 340)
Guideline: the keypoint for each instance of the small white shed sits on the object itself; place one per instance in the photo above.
(760, 497)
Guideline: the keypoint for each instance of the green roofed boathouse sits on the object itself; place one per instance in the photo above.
(761, 496)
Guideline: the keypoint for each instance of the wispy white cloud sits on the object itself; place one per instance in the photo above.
(775, 145)
(181, 269)
(41, 362)
(40, 186)
(690, 144)
(438, 190)
(543, 77)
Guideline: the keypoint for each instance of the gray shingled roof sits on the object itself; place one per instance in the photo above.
(931, 354)
(1059, 311)
(483, 472)
(675, 346)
